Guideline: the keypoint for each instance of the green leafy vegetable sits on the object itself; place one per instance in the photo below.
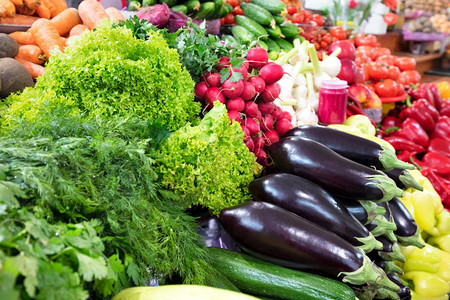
(208, 164)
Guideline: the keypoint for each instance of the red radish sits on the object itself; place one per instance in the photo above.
(258, 83)
(249, 91)
(245, 130)
(282, 126)
(244, 72)
(266, 107)
(252, 126)
(213, 94)
(250, 145)
(286, 115)
(223, 62)
(261, 157)
(272, 136)
(258, 116)
(259, 142)
(200, 90)
(234, 115)
(257, 57)
(236, 104)
(271, 73)
(232, 90)
(277, 113)
(212, 79)
(271, 92)
(251, 109)
(267, 123)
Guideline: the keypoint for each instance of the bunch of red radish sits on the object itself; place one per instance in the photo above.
(249, 100)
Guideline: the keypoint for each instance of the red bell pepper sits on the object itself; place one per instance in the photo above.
(421, 91)
(437, 162)
(390, 124)
(436, 94)
(412, 131)
(441, 187)
(405, 156)
(420, 111)
(439, 146)
(442, 129)
(445, 108)
(401, 143)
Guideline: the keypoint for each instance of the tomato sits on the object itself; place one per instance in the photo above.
(362, 39)
(390, 18)
(379, 51)
(392, 4)
(387, 59)
(378, 71)
(323, 45)
(366, 50)
(409, 76)
(222, 21)
(317, 19)
(361, 59)
(405, 63)
(291, 10)
(237, 10)
(394, 72)
(233, 2)
(400, 89)
(338, 33)
(298, 18)
(353, 4)
(229, 19)
(386, 88)
(370, 85)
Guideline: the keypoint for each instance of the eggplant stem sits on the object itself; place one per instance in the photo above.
(390, 267)
(372, 209)
(383, 225)
(386, 294)
(390, 235)
(369, 243)
(395, 254)
(387, 185)
(408, 180)
(390, 161)
(413, 240)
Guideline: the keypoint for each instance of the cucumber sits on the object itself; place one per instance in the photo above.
(273, 55)
(192, 5)
(279, 19)
(260, 278)
(134, 5)
(218, 5)
(252, 26)
(257, 13)
(230, 39)
(228, 7)
(284, 45)
(263, 45)
(169, 3)
(273, 46)
(274, 32)
(289, 30)
(148, 2)
(206, 9)
(273, 6)
(180, 8)
(242, 35)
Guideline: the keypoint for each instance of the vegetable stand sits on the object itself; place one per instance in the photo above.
(149, 154)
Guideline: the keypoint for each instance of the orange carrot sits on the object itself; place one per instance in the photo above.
(114, 14)
(66, 20)
(35, 70)
(9, 6)
(91, 12)
(32, 4)
(46, 36)
(43, 11)
(18, 20)
(77, 30)
(22, 37)
(51, 8)
(31, 53)
(59, 6)
(17, 2)
(25, 10)
(2, 11)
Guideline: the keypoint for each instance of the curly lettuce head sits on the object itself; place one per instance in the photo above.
(208, 164)
(107, 72)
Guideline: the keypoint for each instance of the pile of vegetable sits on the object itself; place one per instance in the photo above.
(26, 12)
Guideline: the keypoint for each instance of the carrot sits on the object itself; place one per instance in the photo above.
(2, 11)
(91, 12)
(17, 2)
(43, 11)
(66, 20)
(46, 36)
(50, 7)
(59, 6)
(31, 53)
(77, 30)
(25, 10)
(114, 14)
(35, 70)
(9, 6)
(18, 19)
(23, 38)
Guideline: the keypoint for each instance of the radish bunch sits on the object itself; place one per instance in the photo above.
(249, 100)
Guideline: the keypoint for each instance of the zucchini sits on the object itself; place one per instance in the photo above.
(274, 32)
(242, 34)
(273, 6)
(252, 26)
(284, 45)
(192, 5)
(273, 46)
(169, 3)
(279, 19)
(265, 279)
(289, 30)
(180, 8)
(206, 10)
(257, 13)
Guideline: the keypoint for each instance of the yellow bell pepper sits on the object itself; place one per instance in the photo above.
(444, 265)
(424, 206)
(442, 242)
(428, 188)
(406, 200)
(443, 222)
(444, 88)
(427, 285)
(361, 122)
(414, 296)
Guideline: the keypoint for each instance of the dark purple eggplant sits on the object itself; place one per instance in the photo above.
(390, 251)
(276, 233)
(353, 147)
(338, 175)
(364, 211)
(404, 293)
(403, 179)
(308, 200)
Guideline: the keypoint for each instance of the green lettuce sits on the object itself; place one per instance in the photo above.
(208, 164)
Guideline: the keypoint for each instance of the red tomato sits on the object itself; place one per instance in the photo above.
(222, 21)
(378, 51)
(366, 50)
(361, 60)
(352, 4)
(409, 76)
(387, 59)
(291, 10)
(323, 45)
(378, 71)
(390, 18)
(400, 89)
(229, 19)
(386, 88)
(237, 10)
(317, 19)
(405, 63)
(338, 33)
(362, 39)
(233, 2)
(370, 85)
(298, 18)
(394, 72)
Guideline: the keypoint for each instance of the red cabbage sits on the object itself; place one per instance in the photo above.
(157, 15)
(178, 20)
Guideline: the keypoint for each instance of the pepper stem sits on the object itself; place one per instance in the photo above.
(395, 254)
(390, 161)
(387, 185)
(369, 243)
(382, 226)
(413, 240)
(409, 182)
(373, 210)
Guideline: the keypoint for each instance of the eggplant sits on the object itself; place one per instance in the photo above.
(390, 251)
(308, 200)
(351, 146)
(275, 234)
(403, 179)
(388, 266)
(407, 231)
(338, 175)
(405, 292)
(364, 211)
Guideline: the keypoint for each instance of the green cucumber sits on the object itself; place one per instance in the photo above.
(289, 30)
(228, 7)
(180, 8)
(273, 46)
(284, 45)
(260, 278)
(134, 5)
(218, 5)
(169, 3)
(206, 9)
(192, 5)
(274, 32)
(252, 26)
(148, 2)
(242, 34)
(257, 13)
(263, 45)
(273, 6)
(230, 39)
(273, 55)
(279, 19)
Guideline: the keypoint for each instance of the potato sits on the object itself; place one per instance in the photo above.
(13, 77)
(8, 46)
